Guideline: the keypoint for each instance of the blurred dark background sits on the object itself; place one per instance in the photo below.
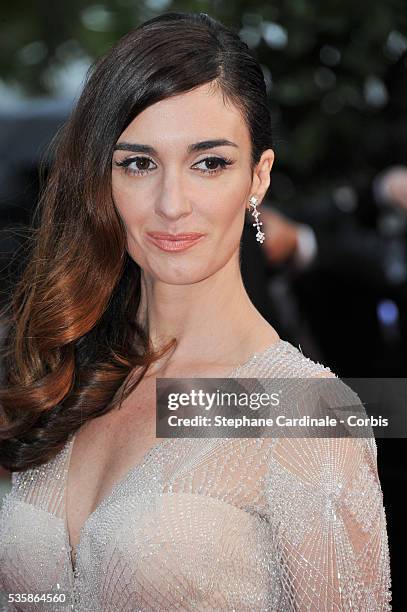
(336, 74)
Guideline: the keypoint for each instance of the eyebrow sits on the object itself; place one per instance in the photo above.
(197, 146)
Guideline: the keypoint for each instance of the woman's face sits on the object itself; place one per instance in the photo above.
(174, 185)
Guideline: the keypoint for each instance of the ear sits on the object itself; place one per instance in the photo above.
(261, 175)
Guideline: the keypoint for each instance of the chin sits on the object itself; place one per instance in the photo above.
(178, 273)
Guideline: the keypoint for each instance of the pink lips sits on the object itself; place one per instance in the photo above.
(174, 242)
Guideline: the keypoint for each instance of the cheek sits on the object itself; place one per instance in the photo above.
(218, 207)
(229, 209)
(128, 205)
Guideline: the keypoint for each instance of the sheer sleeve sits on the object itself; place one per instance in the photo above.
(325, 505)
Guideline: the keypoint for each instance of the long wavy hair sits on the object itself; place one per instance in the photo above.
(72, 332)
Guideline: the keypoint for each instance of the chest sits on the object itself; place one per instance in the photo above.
(105, 449)
(103, 452)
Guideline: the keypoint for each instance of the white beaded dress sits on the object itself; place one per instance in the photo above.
(214, 524)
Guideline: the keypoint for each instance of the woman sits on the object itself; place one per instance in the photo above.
(171, 135)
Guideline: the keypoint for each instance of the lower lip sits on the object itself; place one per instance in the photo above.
(174, 245)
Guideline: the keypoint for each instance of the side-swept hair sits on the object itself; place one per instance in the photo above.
(73, 332)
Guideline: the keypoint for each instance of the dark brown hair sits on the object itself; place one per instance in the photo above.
(73, 337)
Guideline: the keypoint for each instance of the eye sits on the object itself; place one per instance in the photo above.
(141, 165)
(220, 164)
(139, 161)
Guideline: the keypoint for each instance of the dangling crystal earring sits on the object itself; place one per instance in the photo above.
(260, 235)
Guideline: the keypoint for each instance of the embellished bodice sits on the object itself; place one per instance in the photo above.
(243, 524)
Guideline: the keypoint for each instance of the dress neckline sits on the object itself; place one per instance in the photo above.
(134, 469)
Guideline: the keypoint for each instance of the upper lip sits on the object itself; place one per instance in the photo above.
(168, 236)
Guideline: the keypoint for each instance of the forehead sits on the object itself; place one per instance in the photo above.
(199, 114)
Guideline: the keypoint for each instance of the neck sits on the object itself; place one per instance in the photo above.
(213, 320)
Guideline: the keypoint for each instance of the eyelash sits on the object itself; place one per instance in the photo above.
(224, 162)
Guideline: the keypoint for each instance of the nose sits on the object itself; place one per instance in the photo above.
(172, 202)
